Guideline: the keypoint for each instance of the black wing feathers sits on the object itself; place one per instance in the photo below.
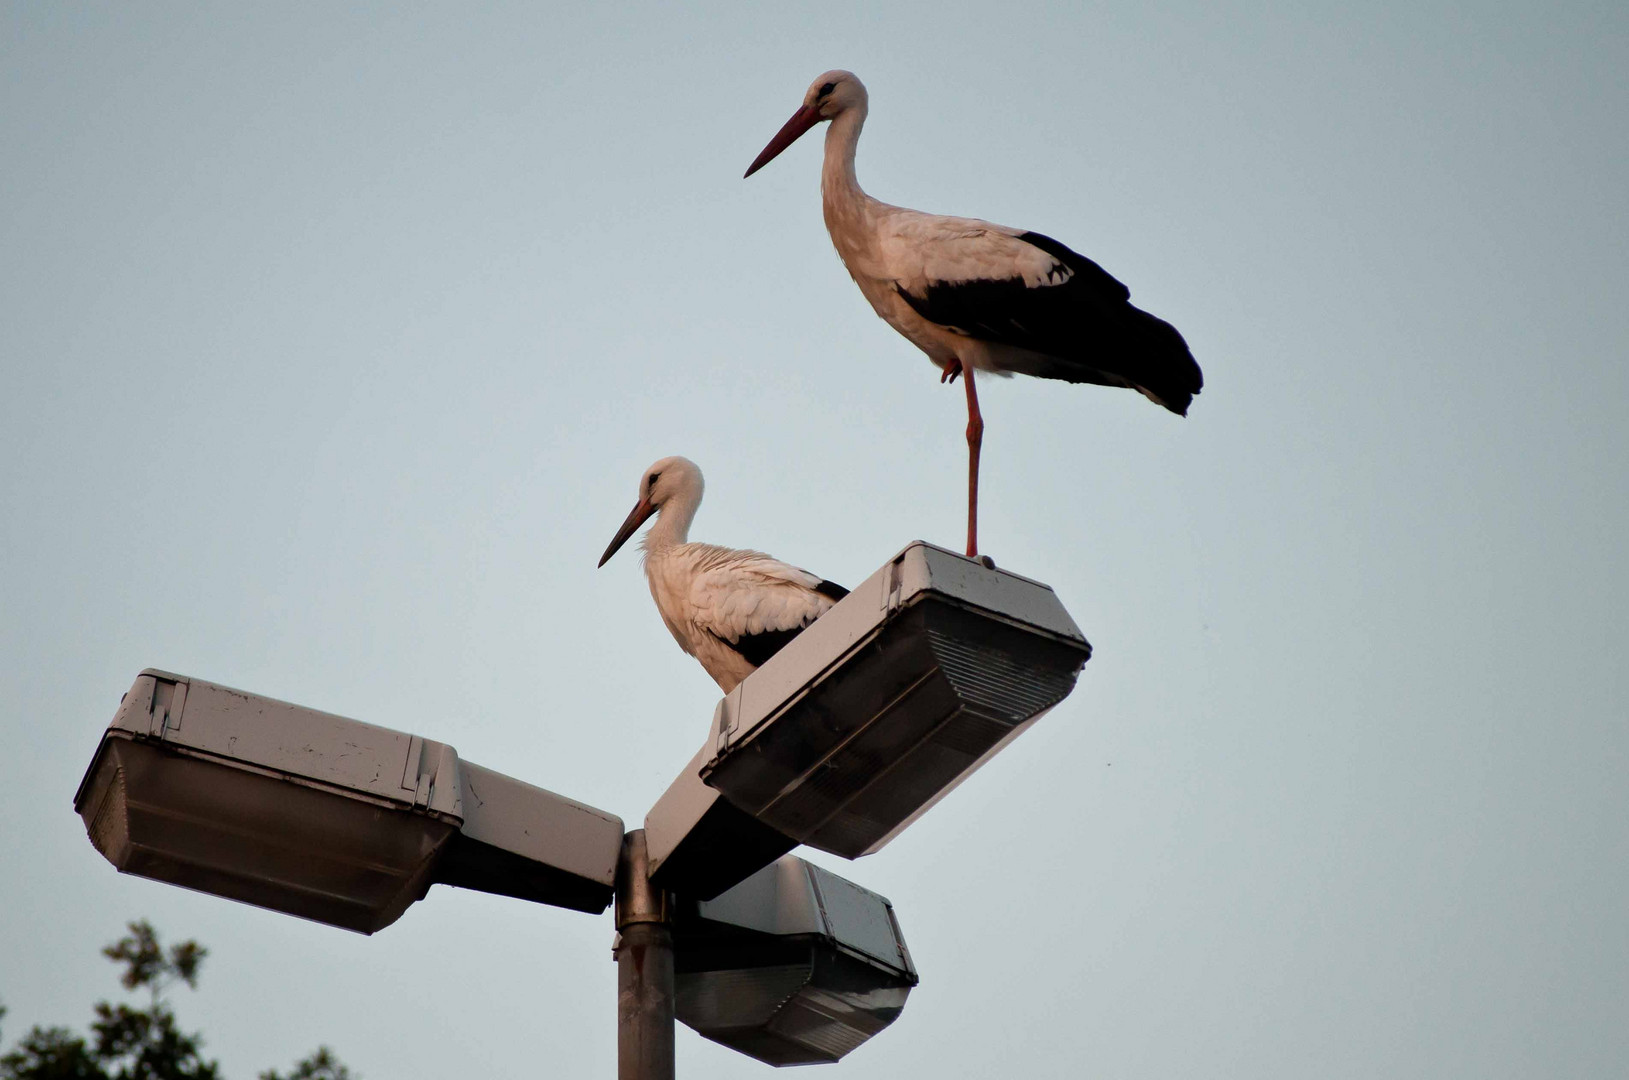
(1099, 278)
(1084, 330)
(757, 648)
(831, 589)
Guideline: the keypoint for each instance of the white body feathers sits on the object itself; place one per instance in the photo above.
(730, 609)
(711, 598)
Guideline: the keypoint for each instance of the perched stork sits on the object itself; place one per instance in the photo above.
(973, 295)
(730, 609)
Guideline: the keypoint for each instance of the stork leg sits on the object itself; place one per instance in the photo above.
(975, 440)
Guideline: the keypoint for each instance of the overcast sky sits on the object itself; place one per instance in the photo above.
(334, 341)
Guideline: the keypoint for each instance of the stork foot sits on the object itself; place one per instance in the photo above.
(949, 372)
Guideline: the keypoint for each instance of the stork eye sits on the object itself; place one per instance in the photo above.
(828, 88)
(653, 477)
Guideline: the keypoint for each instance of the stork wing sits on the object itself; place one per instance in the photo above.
(756, 604)
(1027, 291)
(927, 256)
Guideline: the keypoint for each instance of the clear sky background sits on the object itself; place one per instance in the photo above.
(334, 341)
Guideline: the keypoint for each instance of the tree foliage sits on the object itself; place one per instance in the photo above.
(140, 1044)
(321, 1065)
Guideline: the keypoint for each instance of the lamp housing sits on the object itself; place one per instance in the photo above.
(324, 817)
(892, 698)
(793, 966)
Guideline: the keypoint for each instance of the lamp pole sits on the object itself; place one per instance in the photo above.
(644, 956)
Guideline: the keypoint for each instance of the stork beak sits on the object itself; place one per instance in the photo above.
(640, 514)
(802, 120)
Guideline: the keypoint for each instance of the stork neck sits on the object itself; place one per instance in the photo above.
(839, 188)
(672, 526)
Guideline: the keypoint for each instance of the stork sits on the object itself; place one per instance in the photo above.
(730, 609)
(973, 295)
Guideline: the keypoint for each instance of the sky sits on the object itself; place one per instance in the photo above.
(335, 338)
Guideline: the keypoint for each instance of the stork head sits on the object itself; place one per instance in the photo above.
(672, 482)
(829, 96)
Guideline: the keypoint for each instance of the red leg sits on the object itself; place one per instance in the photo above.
(975, 440)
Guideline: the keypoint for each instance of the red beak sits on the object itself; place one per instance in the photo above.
(641, 513)
(802, 120)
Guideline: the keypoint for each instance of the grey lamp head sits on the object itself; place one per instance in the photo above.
(892, 698)
(793, 966)
(316, 815)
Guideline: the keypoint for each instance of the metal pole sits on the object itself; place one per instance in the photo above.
(644, 955)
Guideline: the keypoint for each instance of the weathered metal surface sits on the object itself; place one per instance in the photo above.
(252, 837)
(303, 746)
(645, 1034)
(891, 699)
(321, 816)
(644, 956)
(793, 966)
(520, 840)
(700, 842)
(638, 900)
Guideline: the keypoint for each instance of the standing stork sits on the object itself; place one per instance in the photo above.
(973, 295)
(730, 609)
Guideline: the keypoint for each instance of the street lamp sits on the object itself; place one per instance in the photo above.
(839, 741)
(324, 817)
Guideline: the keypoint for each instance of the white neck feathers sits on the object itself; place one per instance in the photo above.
(840, 192)
(672, 526)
